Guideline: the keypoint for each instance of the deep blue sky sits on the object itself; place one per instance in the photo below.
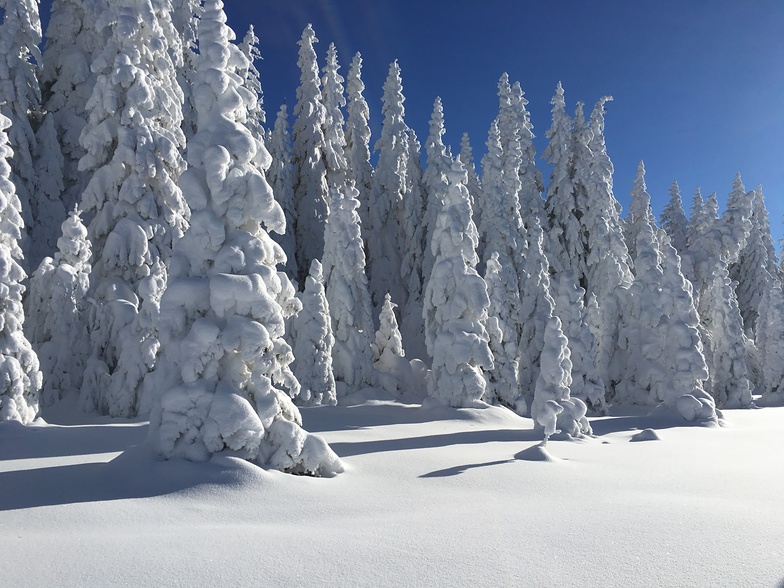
(698, 84)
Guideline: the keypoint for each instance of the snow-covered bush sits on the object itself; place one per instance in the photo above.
(389, 357)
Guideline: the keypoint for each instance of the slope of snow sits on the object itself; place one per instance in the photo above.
(430, 497)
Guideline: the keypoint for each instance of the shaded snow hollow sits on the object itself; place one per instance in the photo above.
(430, 497)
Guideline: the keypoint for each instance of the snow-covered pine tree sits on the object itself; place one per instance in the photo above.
(132, 142)
(358, 141)
(281, 177)
(387, 196)
(310, 167)
(252, 81)
(466, 157)
(503, 385)
(185, 16)
(56, 309)
(434, 181)
(552, 409)
(456, 303)
(531, 185)
(20, 379)
(314, 341)
(586, 384)
(411, 271)
(225, 359)
(536, 308)
(345, 282)
(73, 39)
(752, 271)
(674, 222)
(389, 357)
(640, 212)
(20, 101)
(333, 99)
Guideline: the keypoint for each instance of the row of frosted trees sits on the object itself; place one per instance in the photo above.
(173, 299)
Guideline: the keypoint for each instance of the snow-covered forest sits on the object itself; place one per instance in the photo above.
(172, 253)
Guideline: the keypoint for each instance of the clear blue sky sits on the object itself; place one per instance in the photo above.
(698, 84)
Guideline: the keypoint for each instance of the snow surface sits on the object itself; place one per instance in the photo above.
(430, 497)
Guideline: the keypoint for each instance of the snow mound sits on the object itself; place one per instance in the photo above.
(536, 453)
(646, 435)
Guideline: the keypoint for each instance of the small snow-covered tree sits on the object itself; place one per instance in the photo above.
(310, 167)
(226, 367)
(387, 196)
(314, 343)
(357, 149)
(347, 292)
(586, 384)
(132, 143)
(56, 311)
(673, 220)
(552, 409)
(20, 379)
(503, 386)
(456, 303)
(389, 357)
(281, 178)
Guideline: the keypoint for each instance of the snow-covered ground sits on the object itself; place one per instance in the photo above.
(430, 497)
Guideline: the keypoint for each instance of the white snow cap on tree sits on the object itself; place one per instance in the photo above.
(56, 312)
(225, 380)
(20, 380)
(314, 343)
(456, 303)
(347, 292)
(553, 410)
(310, 172)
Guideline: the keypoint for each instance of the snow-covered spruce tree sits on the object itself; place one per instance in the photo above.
(56, 310)
(456, 303)
(225, 360)
(502, 380)
(552, 409)
(536, 308)
(132, 142)
(185, 15)
(723, 327)
(347, 293)
(333, 99)
(493, 188)
(389, 357)
(674, 222)
(20, 380)
(281, 178)
(72, 41)
(313, 343)
(310, 167)
(357, 149)
(586, 384)
(252, 81)
(434, 181)
(659, 341)
(770, 342)
(20, 101)
(531, 185)
(387, 197)
(640, 212)
(752, 270)
(414, 232)
(466, 157)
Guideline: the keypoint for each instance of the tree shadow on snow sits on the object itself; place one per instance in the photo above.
(39, 441)
(137, 473)
(350, 449)
(637, 422)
